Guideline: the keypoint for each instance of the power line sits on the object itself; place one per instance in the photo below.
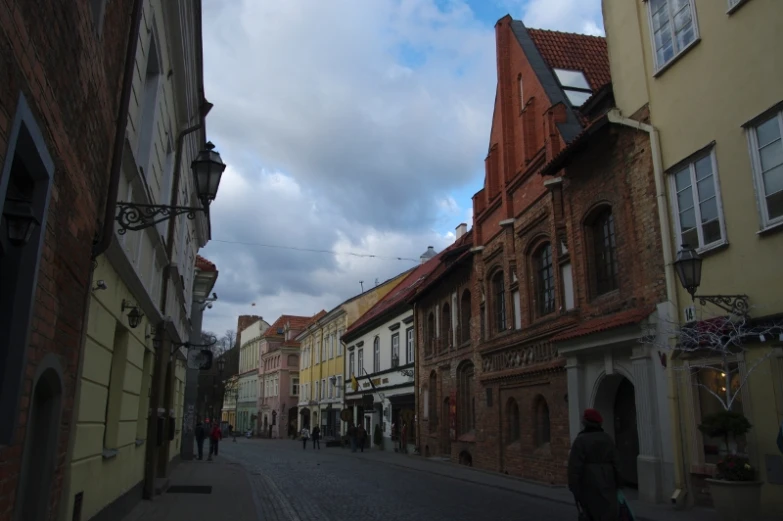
(313, 250)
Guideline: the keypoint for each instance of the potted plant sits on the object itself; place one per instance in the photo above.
(735, 491)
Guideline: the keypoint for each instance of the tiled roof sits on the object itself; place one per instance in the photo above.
(597, 325)
(575, 52)
(464, 241)
(204, 265)
(315, 318)
(295, 321)
(399, 294)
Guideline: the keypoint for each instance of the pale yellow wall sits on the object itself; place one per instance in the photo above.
(104, 480)
(178, 390)
(626, 55)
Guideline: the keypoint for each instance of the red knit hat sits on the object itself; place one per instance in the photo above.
(591, 415)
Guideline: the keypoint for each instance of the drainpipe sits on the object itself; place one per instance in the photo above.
(106, 233)
(614, 116)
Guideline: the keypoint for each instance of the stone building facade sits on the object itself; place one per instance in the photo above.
(551, 261)
(62, 70)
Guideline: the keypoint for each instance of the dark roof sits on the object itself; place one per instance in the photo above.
(458, 251)
(628, 317)
(395, 297)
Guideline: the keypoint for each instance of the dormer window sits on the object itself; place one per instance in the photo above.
(574, 85)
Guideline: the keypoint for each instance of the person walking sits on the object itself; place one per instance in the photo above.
(361, 435)
(200, 433)
(352, 436)
(404, 438)
(593, 470)
(305, 435)
(214, 438)
(317, 437)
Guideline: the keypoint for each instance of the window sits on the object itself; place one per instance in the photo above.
(575, 86)
(545, 281)
(329, 388)
(708, 381)
(698, 211)
(767, 155)
(317, 393)
(466, 405)
(428, 347)
(483, 319)
(360, 362)
(673, 24)
(541, 422)
(323, 348)
(376, 354)
(521, 92)
(604, 251)
(351, 365)
(395, 350)
(323, 389)
(339, 388)
(464, 321)
(409, 346)
(433, 401)
(149, 107)
(340, 342)
(317, 351)
(445, 324)
(499, 302)
(512, 421)
(331, 346)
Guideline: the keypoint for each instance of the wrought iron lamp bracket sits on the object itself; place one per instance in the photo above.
(135, 217)
(735, 304)
(188, 345)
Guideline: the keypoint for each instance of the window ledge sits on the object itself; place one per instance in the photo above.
(770, 228)
(139, 442)
(676, 58)
(736, 7)
(713, 248)
(109, 453)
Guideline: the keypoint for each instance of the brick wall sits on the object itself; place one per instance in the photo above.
(71, 78)
(244, 321)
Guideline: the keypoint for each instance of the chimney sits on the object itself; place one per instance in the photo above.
(427, 255)
(462, 229)
(245, 321)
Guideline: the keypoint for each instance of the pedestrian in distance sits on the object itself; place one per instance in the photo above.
(361, 435)
(305, 436)
(593, 471)
(317, 437)
(352, 436)
(214, 438)
(201, 434)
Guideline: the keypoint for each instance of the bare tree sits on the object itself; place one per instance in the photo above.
(229, 340)
(721, 338)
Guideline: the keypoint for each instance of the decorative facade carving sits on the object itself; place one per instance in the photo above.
(518, 357)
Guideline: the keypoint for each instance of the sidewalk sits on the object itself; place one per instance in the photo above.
(642, 510)
(231, 496)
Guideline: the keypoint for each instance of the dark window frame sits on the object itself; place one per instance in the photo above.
(544, 270)
(499, 295)
(603, 242)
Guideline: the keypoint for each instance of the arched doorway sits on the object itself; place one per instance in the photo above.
(292, 415)
(445, 438)
(40, 457)
(615, 399)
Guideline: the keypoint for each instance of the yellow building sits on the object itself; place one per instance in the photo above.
(708, 72)
(322, 365)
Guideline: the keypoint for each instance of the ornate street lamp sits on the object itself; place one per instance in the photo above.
(207, 169)
(134, 316)
(688, 266)
(20, 221)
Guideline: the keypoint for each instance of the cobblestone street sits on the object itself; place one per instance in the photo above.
(333, 484)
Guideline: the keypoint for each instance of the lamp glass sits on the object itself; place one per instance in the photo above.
(688, 265)
(208, 169)
(134, 318)
(221, 365)
(20, 221)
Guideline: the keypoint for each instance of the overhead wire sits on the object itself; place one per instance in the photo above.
(315, 250)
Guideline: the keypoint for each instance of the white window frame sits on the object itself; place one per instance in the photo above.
(351, 364)
(329, 389)
(661, 66)
(410, 346)
(755, 160)
(376, 354)
(331, 346)
(675, 209)
(338, 390)
(323, 388)
(395, 349)
(340, 333)
(360, 361)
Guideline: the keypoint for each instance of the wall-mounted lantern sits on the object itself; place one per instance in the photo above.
(20, 221)
(134, 315)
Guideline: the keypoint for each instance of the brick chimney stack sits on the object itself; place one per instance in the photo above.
(245, 321)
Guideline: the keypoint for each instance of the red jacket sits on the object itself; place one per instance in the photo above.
(216, 434)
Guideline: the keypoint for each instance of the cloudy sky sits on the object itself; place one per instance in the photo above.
(357, 128)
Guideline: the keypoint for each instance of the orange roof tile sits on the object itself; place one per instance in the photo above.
(204, 265)
(575, 52)
(623, 318)
(295, 322)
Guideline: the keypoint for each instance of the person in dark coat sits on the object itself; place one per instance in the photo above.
(593, 470)
(201, 434)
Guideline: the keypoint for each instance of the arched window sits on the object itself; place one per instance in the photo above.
(499, 301)
(512, 420)
(466, 403)
(604, 254)
(464, 320)
(433, 405)
(545, 279)
(542, 427)
(376, 354)
(430, 333)
(445, 327)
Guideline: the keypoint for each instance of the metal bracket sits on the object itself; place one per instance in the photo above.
(188, 345)
(132, 216)
(735, 304)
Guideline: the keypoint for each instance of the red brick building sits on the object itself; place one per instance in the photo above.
(62, 66)
(550, 258)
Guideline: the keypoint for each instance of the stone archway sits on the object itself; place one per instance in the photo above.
(615, 399)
